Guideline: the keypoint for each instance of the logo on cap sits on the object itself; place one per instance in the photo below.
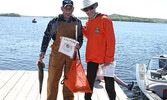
(67, 2)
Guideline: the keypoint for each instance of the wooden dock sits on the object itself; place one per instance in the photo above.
(23, 85)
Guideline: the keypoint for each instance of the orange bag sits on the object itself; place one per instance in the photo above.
(76, 79)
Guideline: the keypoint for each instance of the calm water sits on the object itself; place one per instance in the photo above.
(20, 42)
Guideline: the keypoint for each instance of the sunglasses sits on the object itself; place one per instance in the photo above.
(87, 9)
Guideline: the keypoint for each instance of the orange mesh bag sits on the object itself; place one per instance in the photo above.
(76, 79)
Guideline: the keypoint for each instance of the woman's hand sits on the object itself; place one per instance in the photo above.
(106, 64)
(77, 47)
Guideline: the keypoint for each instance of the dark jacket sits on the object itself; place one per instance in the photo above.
(52, 27)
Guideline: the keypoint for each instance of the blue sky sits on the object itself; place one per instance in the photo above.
(138, 8)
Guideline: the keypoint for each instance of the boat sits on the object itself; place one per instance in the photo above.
(34, 21)
(152, 79)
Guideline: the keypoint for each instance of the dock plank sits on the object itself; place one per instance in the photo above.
(10, 84)
(27, 86)
(120, 94)
(5, 77)
(76, 96)
(24, 85)
(100, 90)
(3, 74)
(81, 96)
(17, 88)
(33, 95)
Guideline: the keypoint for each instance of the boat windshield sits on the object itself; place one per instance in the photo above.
(157, 69)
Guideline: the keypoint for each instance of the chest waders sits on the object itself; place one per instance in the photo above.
(58, 61)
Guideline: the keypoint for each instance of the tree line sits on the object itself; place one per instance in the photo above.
(11, 15)
(117, 17)
(114, 17)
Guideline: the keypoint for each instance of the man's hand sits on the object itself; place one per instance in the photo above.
(41, 55)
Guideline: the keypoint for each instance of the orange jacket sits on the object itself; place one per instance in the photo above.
(100, 36)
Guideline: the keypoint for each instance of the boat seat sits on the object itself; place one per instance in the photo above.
(162, 71)
(155, 75)
(164, 77)
(157, 88)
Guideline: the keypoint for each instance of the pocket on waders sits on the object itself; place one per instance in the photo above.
(54, 60)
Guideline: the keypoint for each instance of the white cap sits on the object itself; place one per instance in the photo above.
(87, 3)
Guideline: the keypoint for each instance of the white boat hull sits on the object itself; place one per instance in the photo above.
(141, 81)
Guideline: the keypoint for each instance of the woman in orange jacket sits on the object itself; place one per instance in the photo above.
(100, 46)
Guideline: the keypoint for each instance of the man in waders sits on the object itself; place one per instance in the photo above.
(100, 47)
(63, 25)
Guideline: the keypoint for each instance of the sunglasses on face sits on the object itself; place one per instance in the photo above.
(87, 9)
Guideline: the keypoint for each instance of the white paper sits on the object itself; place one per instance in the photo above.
(107, 70)
(67, 46)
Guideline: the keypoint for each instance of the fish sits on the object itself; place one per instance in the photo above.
(41, 66)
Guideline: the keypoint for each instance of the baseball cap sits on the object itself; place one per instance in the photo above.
(67, 2)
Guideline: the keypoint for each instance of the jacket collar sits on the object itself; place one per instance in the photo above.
(61, 18)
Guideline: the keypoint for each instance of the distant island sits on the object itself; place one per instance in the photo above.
(117, 17)
(114, 17)
(10, 15)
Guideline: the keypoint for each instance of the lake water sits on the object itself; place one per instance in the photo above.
(20, 42)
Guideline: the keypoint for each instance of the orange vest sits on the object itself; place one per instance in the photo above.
(100, 36)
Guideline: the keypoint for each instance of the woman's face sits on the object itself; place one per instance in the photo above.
(90, 11)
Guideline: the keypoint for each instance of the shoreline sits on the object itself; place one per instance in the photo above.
(113, 17)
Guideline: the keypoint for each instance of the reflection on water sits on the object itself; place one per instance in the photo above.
(21, 39)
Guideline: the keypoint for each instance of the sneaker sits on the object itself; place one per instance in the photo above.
(130, 86)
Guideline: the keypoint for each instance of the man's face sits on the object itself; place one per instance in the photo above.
(67, 11)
